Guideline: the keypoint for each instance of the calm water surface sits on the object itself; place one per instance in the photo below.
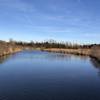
(36, 75)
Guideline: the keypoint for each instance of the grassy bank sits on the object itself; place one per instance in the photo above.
(8, 48)
(87, 50)
(95, 52)
(92, 52)
(70, 51)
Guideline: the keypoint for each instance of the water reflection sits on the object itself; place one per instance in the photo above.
(36, 75)
(4, 58)
(96, 64)
(59, 56)
(42, 55)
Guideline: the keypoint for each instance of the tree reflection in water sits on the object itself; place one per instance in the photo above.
(60, 56)
(4, 58)
(96, 64)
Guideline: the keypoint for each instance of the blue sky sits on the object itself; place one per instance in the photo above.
(61, 20)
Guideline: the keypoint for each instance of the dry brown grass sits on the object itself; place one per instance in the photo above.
(71, 51)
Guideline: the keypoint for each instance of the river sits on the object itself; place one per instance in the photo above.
(37, 75)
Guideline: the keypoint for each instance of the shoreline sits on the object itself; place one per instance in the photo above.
(9, 48)
(93, 52)
(85, 52)
(10, 51)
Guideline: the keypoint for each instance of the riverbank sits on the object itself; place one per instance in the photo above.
(92, 52)
(95, 52)
(10, 48)
(6, 48)
(70, 51)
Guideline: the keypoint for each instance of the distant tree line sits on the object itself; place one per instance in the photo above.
(51, 44)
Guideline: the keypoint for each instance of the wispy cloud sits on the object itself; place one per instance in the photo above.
(92, 35)
(58, 18)
(17, 5)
